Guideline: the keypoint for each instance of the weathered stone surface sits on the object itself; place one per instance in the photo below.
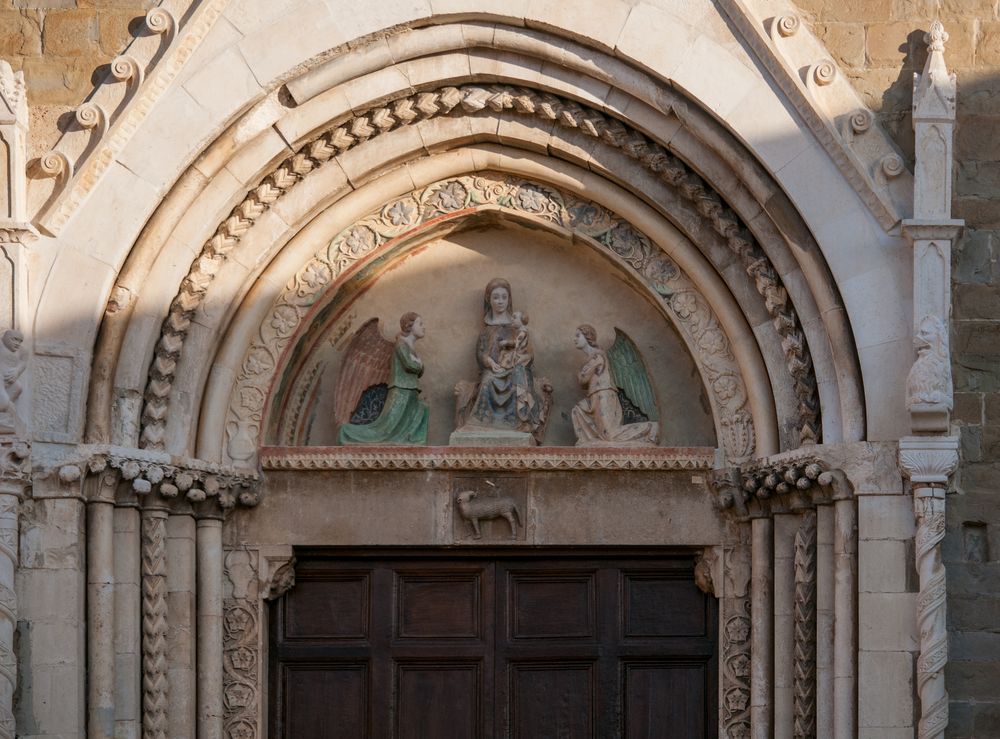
(71, 33)
(845, 40)
(20, 33)
(850, 10)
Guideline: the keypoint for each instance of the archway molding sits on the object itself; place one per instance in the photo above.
(827, 308)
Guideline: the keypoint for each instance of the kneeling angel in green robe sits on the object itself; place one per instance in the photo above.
(403, 418)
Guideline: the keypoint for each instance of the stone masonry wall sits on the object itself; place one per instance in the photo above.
(63, 47)
(876, 44)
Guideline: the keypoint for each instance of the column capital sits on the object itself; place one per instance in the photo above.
(930, 229)
(928, 461)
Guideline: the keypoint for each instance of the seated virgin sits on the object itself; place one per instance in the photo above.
(507, 406)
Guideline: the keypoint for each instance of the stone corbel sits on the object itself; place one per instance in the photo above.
(276, 573)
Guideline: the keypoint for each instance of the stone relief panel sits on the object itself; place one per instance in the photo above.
(373, 237)
(490, 509)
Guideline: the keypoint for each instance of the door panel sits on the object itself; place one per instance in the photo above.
(457, 645)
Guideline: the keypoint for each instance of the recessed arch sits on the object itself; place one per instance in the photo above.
(826, 311)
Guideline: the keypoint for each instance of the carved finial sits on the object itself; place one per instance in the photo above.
(936, 38)
(12, 92)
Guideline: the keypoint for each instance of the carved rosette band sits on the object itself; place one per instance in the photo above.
(252, 576)
(470, 100)
(736, 643)
(929, 462)
(15, 469)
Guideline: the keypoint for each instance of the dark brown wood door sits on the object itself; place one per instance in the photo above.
(442, 646)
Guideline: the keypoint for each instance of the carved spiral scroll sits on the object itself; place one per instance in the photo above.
(154, 624)
(125, 68)
(471, 100)
(824, 72)
(804, 690)
(862, 120)
(788, 25)
(160, 21)
(91, 115)
(892, 165)
(55, 163)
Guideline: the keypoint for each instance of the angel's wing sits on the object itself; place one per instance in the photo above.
(630, 375)
(366, 362)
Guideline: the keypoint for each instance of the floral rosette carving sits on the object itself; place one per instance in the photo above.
(370, 236)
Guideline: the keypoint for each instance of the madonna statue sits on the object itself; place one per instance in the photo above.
(507, 399)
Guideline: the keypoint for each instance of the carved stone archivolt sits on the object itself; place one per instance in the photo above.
(634, 250)
(469, 100)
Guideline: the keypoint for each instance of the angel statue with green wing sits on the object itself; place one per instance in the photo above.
(377, 399)
(615, 381)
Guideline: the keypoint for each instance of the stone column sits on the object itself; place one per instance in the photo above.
(845, 630)
(805, 627)
(128, 618)
(101, 605)
(155, 698)
(209, 544)
(734, 605)
(825, 600)
(785, 526)
(928, 462)
(181, 625)
(762, 629)
(735, 713)
(13, 483)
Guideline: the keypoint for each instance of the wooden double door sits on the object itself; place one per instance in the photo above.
(442, 646)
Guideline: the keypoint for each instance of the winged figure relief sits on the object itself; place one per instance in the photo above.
(365, 367)
(619, 408)
(377, 394)
(631, 376)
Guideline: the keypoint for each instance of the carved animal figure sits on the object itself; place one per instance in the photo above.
(475, 510)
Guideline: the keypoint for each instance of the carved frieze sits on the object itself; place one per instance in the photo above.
(450, 458)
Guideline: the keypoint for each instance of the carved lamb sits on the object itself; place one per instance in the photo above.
(474, 509)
